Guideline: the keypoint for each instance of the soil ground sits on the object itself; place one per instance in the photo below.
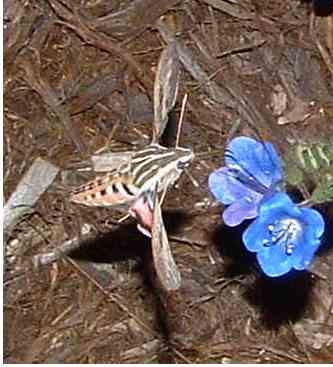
(79, 78)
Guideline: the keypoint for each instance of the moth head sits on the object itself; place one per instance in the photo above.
(185, 158)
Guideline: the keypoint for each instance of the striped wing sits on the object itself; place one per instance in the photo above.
(165, 89)
(111, 161)
(165, 265)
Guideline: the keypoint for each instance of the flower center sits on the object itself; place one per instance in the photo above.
(284, 233)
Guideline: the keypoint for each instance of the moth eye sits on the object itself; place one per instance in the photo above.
(181, 165)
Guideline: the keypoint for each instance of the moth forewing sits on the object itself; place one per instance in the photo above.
(106, 162)
(165, 266)
(165, 88)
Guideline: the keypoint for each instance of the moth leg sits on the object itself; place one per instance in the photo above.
(163, 196)
(122, 219)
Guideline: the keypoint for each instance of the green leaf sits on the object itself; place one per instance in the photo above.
(323, 191)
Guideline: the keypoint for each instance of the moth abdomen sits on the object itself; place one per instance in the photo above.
(105, 192)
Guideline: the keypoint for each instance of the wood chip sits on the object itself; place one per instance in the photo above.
(33, 184)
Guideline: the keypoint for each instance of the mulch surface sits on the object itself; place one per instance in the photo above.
(79, 78)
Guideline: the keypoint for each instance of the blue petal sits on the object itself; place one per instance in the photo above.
(310, 240)
(226, 188)
(239, 211)
(304, 253)
(314, 220)
(273, 259)
(274, 262)
(272, 163)
(255, 159)
(255, 233)
(276, 205)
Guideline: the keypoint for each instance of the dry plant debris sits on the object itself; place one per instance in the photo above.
(78, 81)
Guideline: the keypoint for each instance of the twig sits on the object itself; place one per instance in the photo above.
(241, 49)
(277, 352)
(181, 356)
(233, 10)
(187, 241)
(142, 350)
(323, 52)
(64, 249)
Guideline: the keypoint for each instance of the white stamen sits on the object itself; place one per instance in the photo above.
(284, 233)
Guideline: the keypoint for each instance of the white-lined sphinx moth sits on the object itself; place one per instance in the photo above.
(135, 179)
(154, 167)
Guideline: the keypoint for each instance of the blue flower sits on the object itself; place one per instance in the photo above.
(252, 169)
(284, 236)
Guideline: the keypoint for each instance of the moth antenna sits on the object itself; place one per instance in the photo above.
(192, 179)
(209, 153)
(182, 112)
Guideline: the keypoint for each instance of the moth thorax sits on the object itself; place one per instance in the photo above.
(167, 172)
